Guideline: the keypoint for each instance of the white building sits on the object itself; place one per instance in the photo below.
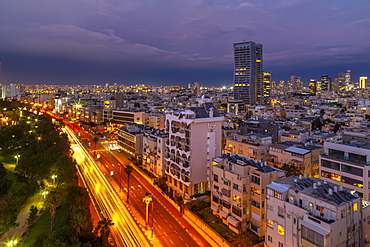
(239, 191)
(194, 139)
(311, 212)
(154, 141)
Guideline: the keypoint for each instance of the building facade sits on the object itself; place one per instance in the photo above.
(248, 72)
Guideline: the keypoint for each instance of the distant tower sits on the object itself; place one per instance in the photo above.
(195, 87)
(267, 86)
(347, 78)
(363, 82)
(248, 72)
(296, 83)
(312, 86)
(325, 83)
(13, 91)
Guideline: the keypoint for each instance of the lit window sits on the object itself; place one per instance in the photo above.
(281, 230)
(270, 223)
(355, 207)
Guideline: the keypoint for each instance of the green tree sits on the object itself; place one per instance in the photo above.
(128, 170)
(33, 215)
(80, 221)
(5, 183)
(291, 170)
(54, 201)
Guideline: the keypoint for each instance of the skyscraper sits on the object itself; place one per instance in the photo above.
(325, 83)
(313, 86)
(267, 87)
(248, 72)
(363, 82)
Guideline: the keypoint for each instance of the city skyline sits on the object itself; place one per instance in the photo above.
(165, 42)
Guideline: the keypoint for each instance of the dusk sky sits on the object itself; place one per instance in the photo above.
(164, 42)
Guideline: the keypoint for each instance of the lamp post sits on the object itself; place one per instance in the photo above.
(17, 158)
(147, 199)
(54, 177)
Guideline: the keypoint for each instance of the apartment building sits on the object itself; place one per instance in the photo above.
(238, 191)
(154, 145)
(130, 139)
(347, 164)
(303, 156)
(255, 146)
(194, 139)
(303, 211)
(263, 126)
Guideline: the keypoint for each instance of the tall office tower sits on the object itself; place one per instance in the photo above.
(347, 79)
(267, 84)
(335, 86)
(296, 83)
(248, 72)
(313, 86)
(13, 91)
(194, 139)
(342, 79)
(325, 83)
(363, 82)
(195, 87)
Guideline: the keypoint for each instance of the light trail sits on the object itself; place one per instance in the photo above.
(125, 231)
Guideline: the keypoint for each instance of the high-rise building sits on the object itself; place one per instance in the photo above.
(363, 82)
(347, 79)
(295, 82)
(312, 86)
(248, 72)
(194, 139)
(267, 84)
(325, 83)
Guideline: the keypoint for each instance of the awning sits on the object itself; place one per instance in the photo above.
(233, 221)
(272, 155)
(316, 227)
(297, 161)
(224, 214)
(214, 207)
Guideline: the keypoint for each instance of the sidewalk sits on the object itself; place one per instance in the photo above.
(17, 233)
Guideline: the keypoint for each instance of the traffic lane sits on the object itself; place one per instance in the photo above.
(169, 208)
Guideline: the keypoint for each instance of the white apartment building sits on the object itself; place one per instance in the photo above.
(238, 191)
(347, 164)
(154, 145)
(312, 212)
(194, 139)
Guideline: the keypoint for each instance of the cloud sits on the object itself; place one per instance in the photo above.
(245, 4)
(357, 22)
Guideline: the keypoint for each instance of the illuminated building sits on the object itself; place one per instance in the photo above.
(238, 192)
(194, 139)
(346, 163)
(312, 86)
(296, 83)
(325, 83)
(302, 211)
(363, 82)
(248, 72)
(266, 84)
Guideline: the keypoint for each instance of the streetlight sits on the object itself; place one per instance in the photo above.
(17, 158)
(54, 177)
(147, 199)
(44, 193)
(12, 243)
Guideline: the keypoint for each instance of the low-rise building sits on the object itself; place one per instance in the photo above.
(154, 145)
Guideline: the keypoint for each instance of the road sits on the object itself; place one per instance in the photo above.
(126, 231)
(170, 228)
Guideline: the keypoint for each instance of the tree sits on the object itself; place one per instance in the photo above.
(33, 215)
(128, 170)
(104, 227)
(291, 170)
(54, 202)
(5, 183)
(80, 221)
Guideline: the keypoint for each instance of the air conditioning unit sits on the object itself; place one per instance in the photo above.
(366, 241)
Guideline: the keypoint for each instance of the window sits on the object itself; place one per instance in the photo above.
(215, 178)
(281, 244)
(352, 170)
(216, 187)
(236, 187)
(281, 212)
(269, 238)
(237, 211)
(215, 199)
(270, 207)
(270, 223)
(255, 179)
(226, 192)
(319, 208)
(281, 230)
(226, 204)
(255, 203)
(355, 206)
(312, 236)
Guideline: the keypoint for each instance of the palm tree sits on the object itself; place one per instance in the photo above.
(128, 170)
(79, 221)
(104, 227)
(54, 202)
